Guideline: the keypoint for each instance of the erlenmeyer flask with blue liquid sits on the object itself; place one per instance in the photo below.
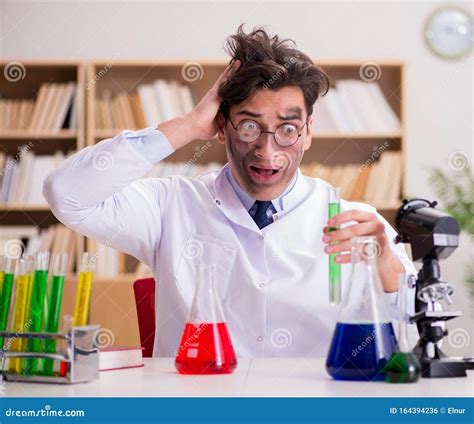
(364, 339)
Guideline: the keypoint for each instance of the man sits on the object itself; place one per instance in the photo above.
(258, 219)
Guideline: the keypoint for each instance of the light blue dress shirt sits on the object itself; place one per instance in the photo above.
(249, 202)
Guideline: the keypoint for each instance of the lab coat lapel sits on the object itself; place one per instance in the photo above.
(227, 200)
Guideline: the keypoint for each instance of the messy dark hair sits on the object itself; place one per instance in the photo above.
(269, 63)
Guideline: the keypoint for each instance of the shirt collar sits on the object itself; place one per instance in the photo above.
(279, 203)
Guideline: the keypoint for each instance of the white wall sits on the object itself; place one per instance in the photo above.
(439, 92)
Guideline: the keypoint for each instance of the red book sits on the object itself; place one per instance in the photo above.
(120, 358)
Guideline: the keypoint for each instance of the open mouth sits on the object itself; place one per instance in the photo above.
(264, 174)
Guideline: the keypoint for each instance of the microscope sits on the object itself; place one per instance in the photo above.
(432, 235)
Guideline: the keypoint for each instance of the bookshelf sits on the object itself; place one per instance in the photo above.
(24, 130)
(102, 78)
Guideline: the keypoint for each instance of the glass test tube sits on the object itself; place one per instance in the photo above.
(3, 259)
(40, 282)
(67, 324)
(6, 294)
(334, 208)
(31, 273)
(84, 288)
(55, 298)
(20, 313)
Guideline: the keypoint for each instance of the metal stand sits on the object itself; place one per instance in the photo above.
(82, 356)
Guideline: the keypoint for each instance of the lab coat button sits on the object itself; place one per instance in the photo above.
(260, 338)
(261, 285)
(261, 237)
(218, 202)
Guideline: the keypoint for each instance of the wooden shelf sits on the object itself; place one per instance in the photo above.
(356, 136)
(27, 135)
(102, 134)
(35, 73)
(23, 208)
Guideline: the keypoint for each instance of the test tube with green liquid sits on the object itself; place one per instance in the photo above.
(334, 207)
(40, 282)
(84, 288)
(6, 294)
(20, 312)
(55, 299)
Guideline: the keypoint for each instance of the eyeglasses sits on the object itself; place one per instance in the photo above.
(285, 135)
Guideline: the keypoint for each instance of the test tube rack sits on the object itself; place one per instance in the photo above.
(81, 355)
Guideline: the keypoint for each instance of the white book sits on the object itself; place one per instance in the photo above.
(391, 121)
(146, 92)
(177, 105)
(367, 110)
(42, 166)
(336, 110)
(322, 119)
(24, 177)
(120, 358)
(11, 180)
(163, 99)
(350, 106)
(186, 98)
(113, 262)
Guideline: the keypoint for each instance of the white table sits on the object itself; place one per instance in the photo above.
(287, 377)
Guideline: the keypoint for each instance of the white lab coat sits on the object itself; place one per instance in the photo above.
(273, 282)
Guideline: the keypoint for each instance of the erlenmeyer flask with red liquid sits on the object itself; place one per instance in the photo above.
(206, 347)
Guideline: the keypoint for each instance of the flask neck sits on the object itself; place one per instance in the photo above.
(363, 299)
(206, 306)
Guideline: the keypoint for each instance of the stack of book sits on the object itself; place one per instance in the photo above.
(107, 260)
(54, 108)
(21, 179)
(377, 182)
(15, 114)
(57, 239)
(151, 104)
(354, 106)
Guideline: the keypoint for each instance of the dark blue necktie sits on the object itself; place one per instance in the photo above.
(261, 218)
